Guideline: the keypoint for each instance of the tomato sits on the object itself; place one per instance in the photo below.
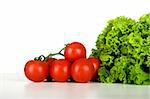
(82, 70)
(50, 61)
(96, 63)
(60, 70)
(74, 51)
(36, 71)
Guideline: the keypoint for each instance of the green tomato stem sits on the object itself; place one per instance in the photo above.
(43, 58)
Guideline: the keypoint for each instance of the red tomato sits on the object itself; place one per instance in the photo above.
(96, 63)
(60, 70)
(82, 70)
(36, 71)
(74, 51)
(50, 60)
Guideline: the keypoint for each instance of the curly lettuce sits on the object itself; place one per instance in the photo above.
(124, 49)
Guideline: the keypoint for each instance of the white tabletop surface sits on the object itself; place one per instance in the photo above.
(13, 86)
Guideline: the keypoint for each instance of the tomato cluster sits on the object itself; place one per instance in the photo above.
(74, 66)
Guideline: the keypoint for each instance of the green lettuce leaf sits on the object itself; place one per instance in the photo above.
(124, 49)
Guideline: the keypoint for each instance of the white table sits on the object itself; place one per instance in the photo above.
(14, 86)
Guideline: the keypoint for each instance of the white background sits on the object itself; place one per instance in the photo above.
(29, 28)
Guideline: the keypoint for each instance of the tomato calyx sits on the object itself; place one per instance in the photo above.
(40, 58)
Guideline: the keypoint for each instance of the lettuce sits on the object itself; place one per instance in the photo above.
(124, 49)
